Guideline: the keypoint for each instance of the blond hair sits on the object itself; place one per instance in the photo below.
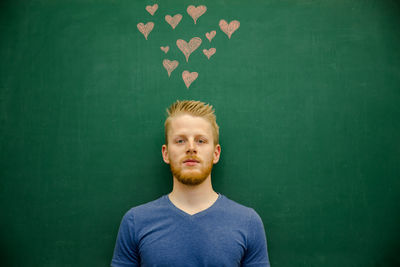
(196, 109)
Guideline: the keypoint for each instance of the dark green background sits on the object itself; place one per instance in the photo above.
(307, 95)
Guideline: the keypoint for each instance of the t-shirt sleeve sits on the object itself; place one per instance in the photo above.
(126, 251)
(256, 251)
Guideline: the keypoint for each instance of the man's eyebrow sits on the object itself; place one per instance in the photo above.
(179, 135)
(184, 135)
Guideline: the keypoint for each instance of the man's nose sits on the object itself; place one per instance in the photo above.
(191, 148)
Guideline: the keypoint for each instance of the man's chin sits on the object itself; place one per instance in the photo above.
(191, 178)
(190, 181)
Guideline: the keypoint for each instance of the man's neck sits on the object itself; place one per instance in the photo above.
(193, 199)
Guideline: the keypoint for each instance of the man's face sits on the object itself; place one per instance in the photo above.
(191, 152)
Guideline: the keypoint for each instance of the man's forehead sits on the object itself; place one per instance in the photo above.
(186, 122)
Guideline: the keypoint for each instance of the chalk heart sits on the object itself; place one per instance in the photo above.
(189, 77)
(188, 48)
(210, 35)
(152, 9)
(209, 52)
(173, 21)
(145, 28)
(165, 49)
(230, 28)
(196, 12)
(170, 65)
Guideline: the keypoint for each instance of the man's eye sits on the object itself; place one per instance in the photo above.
(202, 141)
(179, 141)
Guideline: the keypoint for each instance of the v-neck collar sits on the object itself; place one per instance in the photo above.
(197, 214)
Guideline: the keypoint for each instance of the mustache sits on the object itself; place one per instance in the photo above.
(191, 158)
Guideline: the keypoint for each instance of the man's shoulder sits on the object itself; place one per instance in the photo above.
(236, 209)
(146, 209)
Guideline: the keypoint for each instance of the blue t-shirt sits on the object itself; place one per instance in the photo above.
(160, 234)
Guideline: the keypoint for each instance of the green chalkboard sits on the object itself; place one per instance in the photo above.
(307, 95)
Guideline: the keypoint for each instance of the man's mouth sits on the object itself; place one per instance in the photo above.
(191, 162)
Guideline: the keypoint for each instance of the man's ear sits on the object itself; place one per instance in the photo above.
(217, 153)
(164, 151)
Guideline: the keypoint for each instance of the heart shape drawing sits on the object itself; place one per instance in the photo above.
(188, 48)
(230, 28)
(165, 49)
(170, 65)
(209, 52)
(189, 77)
(196, 12)
(210, 35)
(145, 28)
(173, 21)
(152, 9)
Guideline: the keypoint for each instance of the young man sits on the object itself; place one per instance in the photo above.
(193, 225)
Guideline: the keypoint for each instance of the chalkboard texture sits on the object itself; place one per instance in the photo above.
(307, 95)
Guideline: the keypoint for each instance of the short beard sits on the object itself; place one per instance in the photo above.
(191, 179)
